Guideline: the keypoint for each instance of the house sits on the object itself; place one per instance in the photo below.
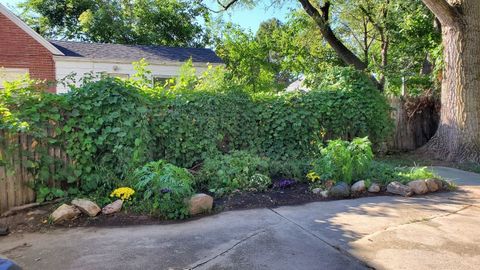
(22, 50)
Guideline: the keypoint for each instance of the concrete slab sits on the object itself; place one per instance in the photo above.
(438, 231)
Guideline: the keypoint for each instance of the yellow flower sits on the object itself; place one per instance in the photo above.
(123, 193)
(313, 176)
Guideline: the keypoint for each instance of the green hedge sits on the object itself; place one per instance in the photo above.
(110, 127)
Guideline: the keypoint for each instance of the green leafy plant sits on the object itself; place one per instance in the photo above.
(343, 160)
(109, 127)
(47, 194)
(239, 170)
(164, 188)
(259, 182)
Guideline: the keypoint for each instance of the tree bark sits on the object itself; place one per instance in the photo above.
(458, 134)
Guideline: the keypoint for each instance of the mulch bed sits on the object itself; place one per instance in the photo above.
(36, 219)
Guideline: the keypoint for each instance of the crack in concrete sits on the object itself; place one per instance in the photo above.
(228, 249)
(426, 219)
(422, 220)
(336, 247)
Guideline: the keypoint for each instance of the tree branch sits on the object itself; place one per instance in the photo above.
(321, 19)
(446, 14)
(228, 5)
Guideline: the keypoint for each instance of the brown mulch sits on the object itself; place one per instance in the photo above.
(36, 219)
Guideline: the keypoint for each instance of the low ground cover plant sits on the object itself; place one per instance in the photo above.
(239, 170)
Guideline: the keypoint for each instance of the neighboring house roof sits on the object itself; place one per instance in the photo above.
(135, 52)
(7, 13)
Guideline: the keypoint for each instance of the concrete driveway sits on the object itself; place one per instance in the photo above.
(439, 231)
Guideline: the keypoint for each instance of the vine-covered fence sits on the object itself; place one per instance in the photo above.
(18, 159)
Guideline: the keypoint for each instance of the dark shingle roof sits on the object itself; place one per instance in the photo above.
(135, 52)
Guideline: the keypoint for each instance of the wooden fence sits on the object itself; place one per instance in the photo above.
(18, 154)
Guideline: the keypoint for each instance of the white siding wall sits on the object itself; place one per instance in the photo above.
(65, 66)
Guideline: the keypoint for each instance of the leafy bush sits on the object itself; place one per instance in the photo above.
(110, 127)
(107, 129)
(223, 174)
(343, 160)
(164, 188)
(292, 168)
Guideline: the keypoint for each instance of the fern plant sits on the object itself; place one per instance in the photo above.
(165, 187)
(344, 161)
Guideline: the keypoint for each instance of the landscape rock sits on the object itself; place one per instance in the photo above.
(340, 190)
(4, 230)
(433, 184)
(399, 189)
(200, 203)
(64, 212)
(440, 184)
(87, 207)
(324, 194)
(359, 187)
(316, 190)
(112, 208)
(419, 187)
(374, 188)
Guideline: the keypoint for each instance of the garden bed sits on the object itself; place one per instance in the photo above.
(36, 219)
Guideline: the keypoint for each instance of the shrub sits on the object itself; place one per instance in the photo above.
(223, 174)
(107, 130)
(293, 168)
(343, 160)
(164, 188)
(110, 127)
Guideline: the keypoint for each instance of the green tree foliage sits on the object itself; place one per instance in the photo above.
(394, 39)
(150, 22)
(276, 55)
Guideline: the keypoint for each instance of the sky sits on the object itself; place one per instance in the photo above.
(247, 18)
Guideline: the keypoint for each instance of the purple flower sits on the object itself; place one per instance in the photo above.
(284, 183)
(165, 190)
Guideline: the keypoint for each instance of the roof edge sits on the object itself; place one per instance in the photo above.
(5, 11)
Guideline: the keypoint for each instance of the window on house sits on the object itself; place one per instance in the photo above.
(11, 74)
(118, 75)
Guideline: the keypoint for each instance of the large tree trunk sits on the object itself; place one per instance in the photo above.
(458, 135)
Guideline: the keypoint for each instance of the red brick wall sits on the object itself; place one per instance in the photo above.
(20, 50)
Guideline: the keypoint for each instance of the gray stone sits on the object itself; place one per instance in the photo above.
(200, 203)
(374, 188)
(87, 207)
(324, 194)
(340, 190)
(316, 190)
(418, 187)
(359, 187)
(433, 185)
(112, 208)
(64, 212)
(399, 189)
(4, 230)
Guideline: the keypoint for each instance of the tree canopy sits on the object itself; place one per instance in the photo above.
(157, 22)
